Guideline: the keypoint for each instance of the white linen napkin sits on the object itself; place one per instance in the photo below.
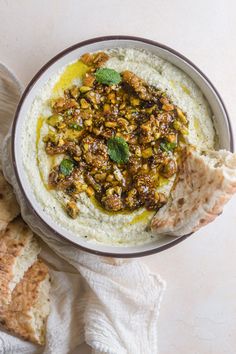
(111, 304)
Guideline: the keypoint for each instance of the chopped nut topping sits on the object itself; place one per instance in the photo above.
(72, 210)
(139, 120)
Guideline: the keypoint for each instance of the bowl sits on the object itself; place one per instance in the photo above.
(221, 122)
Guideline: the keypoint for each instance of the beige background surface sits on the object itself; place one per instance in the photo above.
(198, 313)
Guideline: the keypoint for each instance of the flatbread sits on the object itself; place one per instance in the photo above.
(205, 183)
(18, 251)
(9, 207)
(27, 313)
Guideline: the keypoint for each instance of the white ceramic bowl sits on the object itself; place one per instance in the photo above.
(221, 121)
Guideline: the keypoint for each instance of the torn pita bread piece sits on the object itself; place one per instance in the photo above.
(205, 183)
(9, 207)
(27, 313)
(18, 251)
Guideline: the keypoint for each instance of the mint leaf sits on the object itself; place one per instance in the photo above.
(165, 146)
(118, 150)
(108, 76)
(66, 167)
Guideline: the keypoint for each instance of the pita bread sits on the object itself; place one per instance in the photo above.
(205, 183)
(18, 251)
(9, 207)
(27, 313)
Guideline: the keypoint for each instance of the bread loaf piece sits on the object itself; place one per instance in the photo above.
(9, 207)
(27, 313)
(205, 183)
(18, 251)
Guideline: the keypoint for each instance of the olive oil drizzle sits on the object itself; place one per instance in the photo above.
(142, 217)
(40, 123)
(73, 71)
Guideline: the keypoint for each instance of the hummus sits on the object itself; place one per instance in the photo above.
(93, 222)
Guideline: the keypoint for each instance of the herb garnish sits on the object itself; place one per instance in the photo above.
(118, 149)
(66, 167)
(165, 146)
(108, 76)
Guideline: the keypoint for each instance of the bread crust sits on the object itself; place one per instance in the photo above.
(17, 317)
(9, 207)
(12, 243)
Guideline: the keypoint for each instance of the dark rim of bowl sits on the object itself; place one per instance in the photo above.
(36, 77)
